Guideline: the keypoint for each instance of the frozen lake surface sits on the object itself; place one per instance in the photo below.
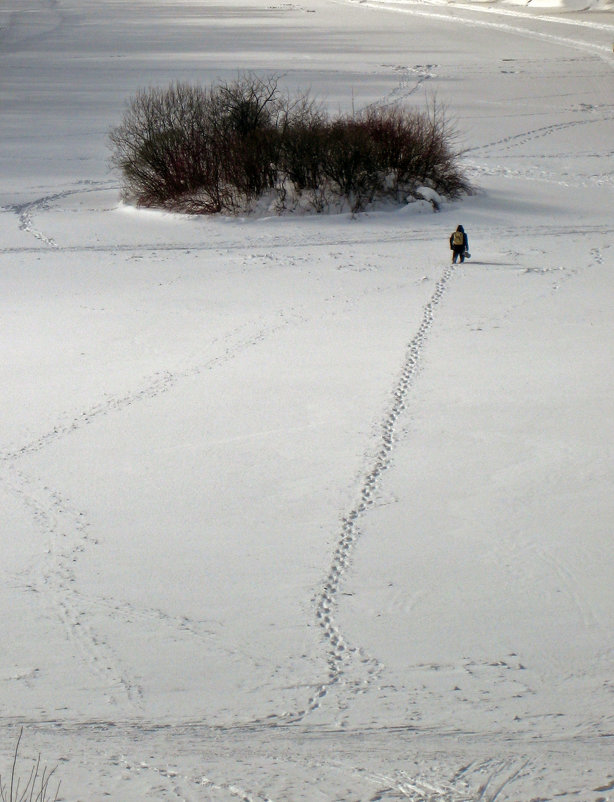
(293, 509)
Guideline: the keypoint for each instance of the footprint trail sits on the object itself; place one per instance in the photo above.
(342, 656)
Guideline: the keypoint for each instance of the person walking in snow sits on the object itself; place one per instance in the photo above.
(459, 244)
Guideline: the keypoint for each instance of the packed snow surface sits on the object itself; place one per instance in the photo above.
(293, 508)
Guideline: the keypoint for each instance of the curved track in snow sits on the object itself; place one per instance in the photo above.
(344, 658)
(475, 16)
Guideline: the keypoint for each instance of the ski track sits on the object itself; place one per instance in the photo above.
(499, 149)
(66, 532)
(539, 174)
(500, 776)
(349, 668)
(26, 211)
(66, 535)
(167, 762)
(152, 387)
(411, 79)
(48, 244)
(452, 16)
(19, 26)
(524, 138)
(401, 785)
(491, 10)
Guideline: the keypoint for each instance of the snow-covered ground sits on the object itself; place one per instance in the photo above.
(292, 509)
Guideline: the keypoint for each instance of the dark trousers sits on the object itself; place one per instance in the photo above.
(458, 250)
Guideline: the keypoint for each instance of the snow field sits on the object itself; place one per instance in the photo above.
(293, 509)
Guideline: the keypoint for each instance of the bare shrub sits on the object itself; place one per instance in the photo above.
(221, 149)
(414, 148)
(244, 120)
(33, 787)
(441, 157)
(162, 146)
(348, 161)
(398, 142)
(304, 128)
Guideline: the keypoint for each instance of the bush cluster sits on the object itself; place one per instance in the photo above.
(224, 148)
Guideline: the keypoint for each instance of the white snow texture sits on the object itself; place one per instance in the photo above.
(293, 508)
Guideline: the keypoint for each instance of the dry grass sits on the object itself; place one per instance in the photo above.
(33, 786)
